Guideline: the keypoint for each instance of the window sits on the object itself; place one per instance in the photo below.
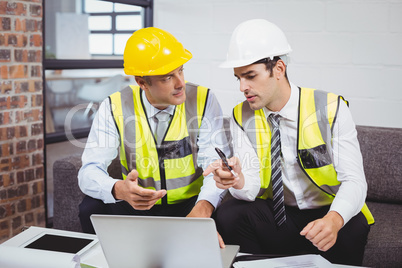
(84, 43)
(111, 24)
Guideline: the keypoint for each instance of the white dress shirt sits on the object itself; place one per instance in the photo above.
(298, 189)
(104, 140)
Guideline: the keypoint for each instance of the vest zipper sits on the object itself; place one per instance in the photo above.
(163, 178)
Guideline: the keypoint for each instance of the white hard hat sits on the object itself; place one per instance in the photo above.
(254, 40)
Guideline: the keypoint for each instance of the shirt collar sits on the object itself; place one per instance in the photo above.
(151, 110)
(290, 110)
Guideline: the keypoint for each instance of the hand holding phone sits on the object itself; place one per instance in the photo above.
(224, 160)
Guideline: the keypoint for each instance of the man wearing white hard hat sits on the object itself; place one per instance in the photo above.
(300, 184)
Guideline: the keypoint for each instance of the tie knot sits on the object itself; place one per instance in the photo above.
(162, 116)
(274, 118)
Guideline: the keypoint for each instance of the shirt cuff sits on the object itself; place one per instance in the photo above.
(107, 188)
(250, 189)
(243, 194)
(344, 209)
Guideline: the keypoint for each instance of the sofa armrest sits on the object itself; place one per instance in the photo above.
(67, 195)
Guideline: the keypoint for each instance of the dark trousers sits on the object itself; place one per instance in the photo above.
(91, 206)
(251, 225)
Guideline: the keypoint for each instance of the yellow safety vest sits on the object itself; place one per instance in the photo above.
(173, 165)
(317, 114)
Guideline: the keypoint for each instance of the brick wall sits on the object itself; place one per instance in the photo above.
(22, 199)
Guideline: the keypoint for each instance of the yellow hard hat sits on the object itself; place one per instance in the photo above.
(152, 51)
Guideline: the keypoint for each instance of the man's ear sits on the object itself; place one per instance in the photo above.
(280, 69)
(141, 82)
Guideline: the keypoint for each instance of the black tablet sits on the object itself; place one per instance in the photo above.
(60, 243)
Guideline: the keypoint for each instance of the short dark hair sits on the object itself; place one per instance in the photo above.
(270, 64)
(147, 79)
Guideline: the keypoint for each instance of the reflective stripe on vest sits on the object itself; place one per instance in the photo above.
(256, 126)
(317, 115)
(173, 166)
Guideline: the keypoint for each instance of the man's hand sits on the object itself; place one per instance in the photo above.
(324, 232)
(223, 177)
(221, 243)
(204, 209)
(139, 198)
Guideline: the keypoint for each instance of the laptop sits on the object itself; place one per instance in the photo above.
(161, 242)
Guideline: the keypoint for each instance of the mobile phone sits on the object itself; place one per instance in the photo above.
(225, 161)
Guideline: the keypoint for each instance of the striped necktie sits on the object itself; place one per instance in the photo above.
(276, 173)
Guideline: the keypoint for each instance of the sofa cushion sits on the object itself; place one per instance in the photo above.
(382, 158)
(384, 248)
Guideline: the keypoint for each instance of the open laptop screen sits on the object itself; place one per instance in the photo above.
(169, 242)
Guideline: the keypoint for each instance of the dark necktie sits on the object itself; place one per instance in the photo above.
(162, 123)
(276, 173)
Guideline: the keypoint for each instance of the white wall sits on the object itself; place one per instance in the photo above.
(349, 47)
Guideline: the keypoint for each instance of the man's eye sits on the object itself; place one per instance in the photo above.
(250, 77)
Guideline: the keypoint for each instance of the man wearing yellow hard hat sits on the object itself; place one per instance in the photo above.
(163, 130)
(301, 164)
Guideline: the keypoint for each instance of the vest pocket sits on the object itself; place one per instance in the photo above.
(315, 157)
